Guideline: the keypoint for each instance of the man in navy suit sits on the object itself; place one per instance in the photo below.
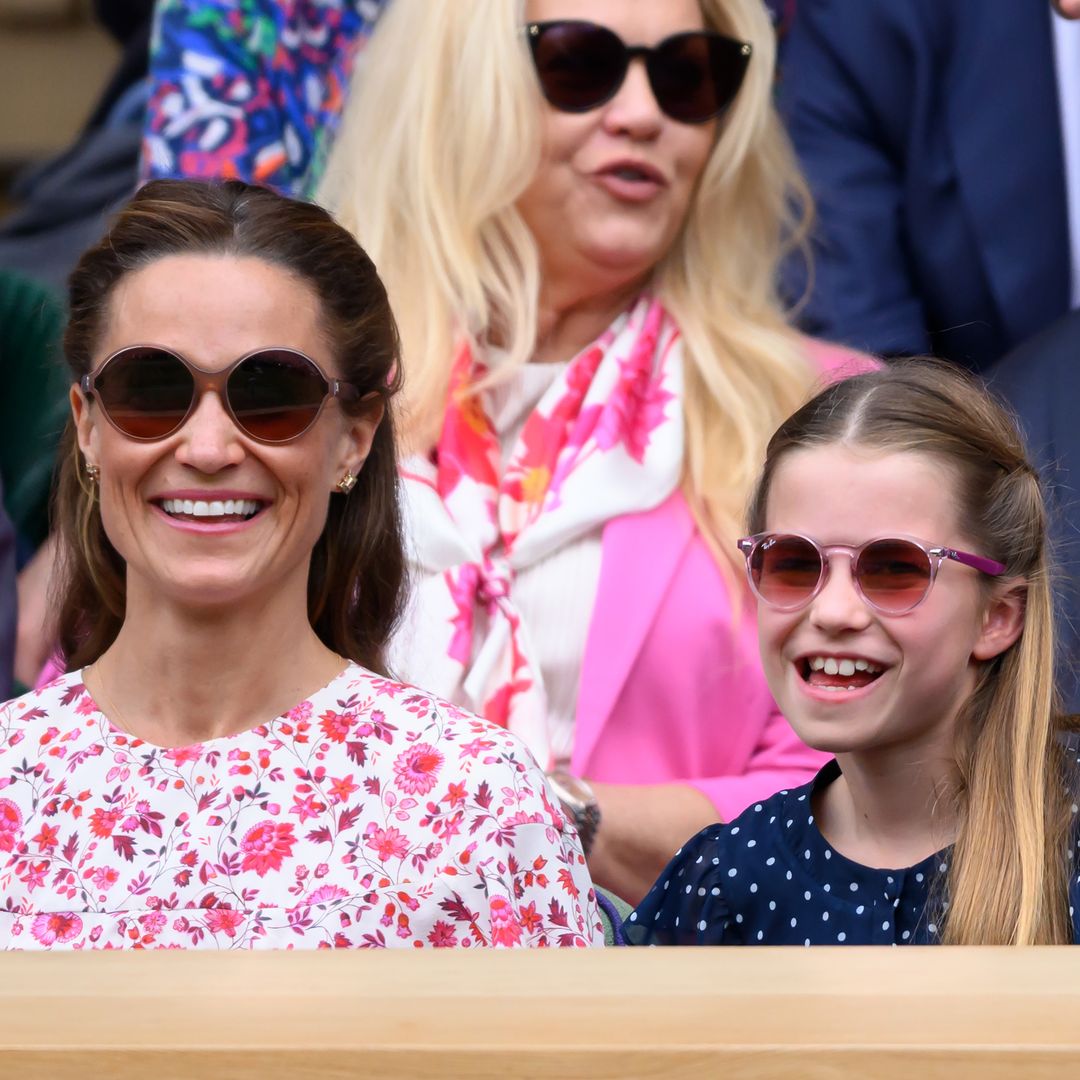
(941, 139)
(1042, 381)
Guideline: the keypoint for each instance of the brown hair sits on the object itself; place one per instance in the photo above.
(357, 567)
(1008, 876)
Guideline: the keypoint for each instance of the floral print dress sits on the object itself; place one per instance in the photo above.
(371, 814)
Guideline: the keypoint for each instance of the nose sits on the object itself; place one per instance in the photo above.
(209, 440)
(634, 110)
(839, 607)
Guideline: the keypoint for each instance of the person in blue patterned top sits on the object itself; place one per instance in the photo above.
(900, 564)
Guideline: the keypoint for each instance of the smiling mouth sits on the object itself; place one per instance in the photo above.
(212, 510)
(838, 673)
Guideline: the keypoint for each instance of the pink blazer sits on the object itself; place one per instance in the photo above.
(671, 687)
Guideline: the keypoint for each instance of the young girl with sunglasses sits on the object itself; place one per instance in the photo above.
(905, 616)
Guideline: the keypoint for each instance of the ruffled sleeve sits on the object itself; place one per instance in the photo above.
(687, 905)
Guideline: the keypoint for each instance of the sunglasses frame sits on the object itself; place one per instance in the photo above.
(218, 381)
(535, 31)
(935, 555)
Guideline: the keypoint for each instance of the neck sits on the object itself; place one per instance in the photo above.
(891, 808)
(177, 676)
(571, 315)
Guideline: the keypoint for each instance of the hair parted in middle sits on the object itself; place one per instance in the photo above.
(356, 581)
(457, 129)
(1008, 878)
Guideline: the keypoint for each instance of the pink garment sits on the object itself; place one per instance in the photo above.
(671, 686)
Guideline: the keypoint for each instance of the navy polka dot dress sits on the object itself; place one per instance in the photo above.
(771, 878)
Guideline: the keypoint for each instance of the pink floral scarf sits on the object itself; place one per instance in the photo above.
(605, 440)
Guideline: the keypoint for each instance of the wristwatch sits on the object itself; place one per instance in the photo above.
(579, 802)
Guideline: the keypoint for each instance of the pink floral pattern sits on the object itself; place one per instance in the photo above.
(370, 815)
(605, 440)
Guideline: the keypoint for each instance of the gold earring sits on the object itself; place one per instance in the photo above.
(346, 483)
(93, 473)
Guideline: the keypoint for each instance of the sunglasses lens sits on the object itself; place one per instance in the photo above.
(785, 570)
(894, 575)
(579, 65)
(146, 392)
(276, 395)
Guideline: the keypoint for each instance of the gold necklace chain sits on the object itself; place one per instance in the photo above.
(114, 713)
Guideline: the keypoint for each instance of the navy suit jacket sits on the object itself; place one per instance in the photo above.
(930, 133)
(7, 602)
(1042, 382)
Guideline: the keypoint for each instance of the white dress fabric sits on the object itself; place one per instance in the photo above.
(369, 815)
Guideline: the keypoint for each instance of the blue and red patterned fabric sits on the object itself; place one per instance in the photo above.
(250, 88)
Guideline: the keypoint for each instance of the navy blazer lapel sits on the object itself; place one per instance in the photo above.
(1005, 130)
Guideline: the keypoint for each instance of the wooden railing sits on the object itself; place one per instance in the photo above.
(767, 1014)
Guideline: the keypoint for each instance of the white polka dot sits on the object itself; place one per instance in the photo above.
(802, 798)
(701, 892)
(827, 887)
(676, 920)
(806, 895)
(788, 875)
(824, 916)
(788, 825)
(666, 884)
(751, 843)
(770, 860)
(853, 887)
(841, 936)
(828, 854)
(735, 831)
(889, 880)
(810, 820)
(885, 925)
(807, 943)
(772, 819)
(701, 925)
(732, 872)
(932, 928)
(906, 934)
(918, 877)
(760, 934)
(738, 918)
(699, 860)
(633, 916)
(753, 886)
(794, 922)
(757, 808)
(806, 854)
(943, 867)
(860, 909)
(714, 891)
(772, 905)
(689, 889)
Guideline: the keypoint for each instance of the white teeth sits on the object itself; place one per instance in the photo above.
(211, 508)
(831, 666)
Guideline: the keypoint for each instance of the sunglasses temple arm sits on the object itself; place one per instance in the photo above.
(987, 566)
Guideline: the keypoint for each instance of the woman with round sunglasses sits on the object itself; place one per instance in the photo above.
(228, 762)
(906, 620)
(579, 206)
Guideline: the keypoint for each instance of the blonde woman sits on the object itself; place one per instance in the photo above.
(578, 207)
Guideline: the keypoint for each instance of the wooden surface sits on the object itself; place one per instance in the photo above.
(769, 1014)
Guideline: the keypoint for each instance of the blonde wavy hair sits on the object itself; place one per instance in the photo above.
(442, 135)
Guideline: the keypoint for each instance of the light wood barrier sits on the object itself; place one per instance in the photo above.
(767, 1014)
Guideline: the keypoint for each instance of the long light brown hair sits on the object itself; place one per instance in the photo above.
(441, 137)
(356, 578)
(1008, 874)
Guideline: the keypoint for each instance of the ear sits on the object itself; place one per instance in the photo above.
(85, 428)
(1003, 622)
(360, 433)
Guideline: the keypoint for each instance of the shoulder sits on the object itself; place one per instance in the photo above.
(422, 742)
(63, 699)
